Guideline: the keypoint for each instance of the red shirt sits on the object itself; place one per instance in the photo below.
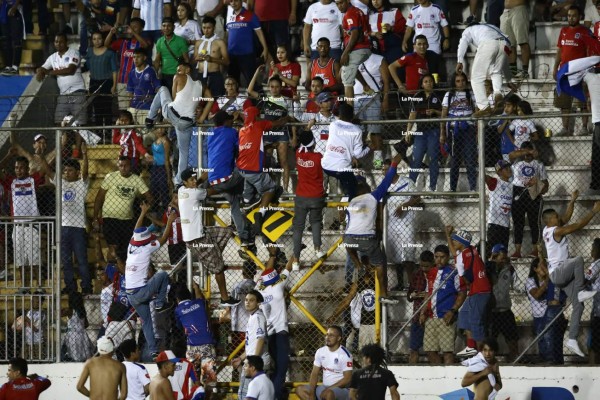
(310, 174)
(355, 19)
(125, 47)
(292, 69)
(475, 272)
(415, 67)
(268, 10)
(575, 43)
(417, 285)
(250, 157)
(327, 73)
(24, 388)
(176, 234)
(131, 142)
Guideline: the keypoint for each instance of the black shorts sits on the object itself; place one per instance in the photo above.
(117, 232)
(176, 252)
(504, 323)
(595, 328)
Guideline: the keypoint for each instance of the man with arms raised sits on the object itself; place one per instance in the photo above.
(108, 377)
(160, 385)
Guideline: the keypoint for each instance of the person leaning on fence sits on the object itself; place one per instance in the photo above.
(205, 242)
(109, 376)
(360, 234)
(416, 293)
(256, 338)
(370, 382)
(336, 363)
(141, 290)
(567, 273)
(447, 292)
(470, 266)
(20, 385)
(138, 378)
(500, 207)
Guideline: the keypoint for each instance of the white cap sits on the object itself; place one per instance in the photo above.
(105, 345)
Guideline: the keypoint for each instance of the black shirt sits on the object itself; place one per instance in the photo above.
(372, 383)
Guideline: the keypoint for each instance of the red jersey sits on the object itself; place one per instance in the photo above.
(131, 143)
(176, 234)
(353, 19)
(310, 174)
(576, 42)
(125, 47)
(268, 10)
(474, 268)
(327, 72)
(398, 26)
(251, 148)
(415, 67)
(287, 71)
(24, 388)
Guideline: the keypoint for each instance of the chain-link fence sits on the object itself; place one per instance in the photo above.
(430, 192)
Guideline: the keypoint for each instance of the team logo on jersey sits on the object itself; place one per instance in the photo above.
(67, 59)
(349, 21)
(69, 195)
(577, 35)
(335, 361)
(527, 171)
(332, 11)
(419, 26)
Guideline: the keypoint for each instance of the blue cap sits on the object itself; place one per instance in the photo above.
(323, 97)
(499, 248)
(502, 164)
(463, 237)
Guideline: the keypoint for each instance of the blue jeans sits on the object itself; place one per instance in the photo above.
(159, 187)
(553, 338)
(279, 347)
(73, 240)
(538, 326)
(464, 147)
(428, 142)
(140, 300)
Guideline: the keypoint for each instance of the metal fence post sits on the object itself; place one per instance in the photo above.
(57, 240)
(481, 156)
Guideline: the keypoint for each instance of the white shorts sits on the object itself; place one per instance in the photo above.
(26, 244)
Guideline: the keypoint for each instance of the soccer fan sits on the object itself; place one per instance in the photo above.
(288, 71)
(109, 376)
(322, 22)
(370, 382)
(415, 66)
(101, 63)
(470, 266)
(20, 385)
(426, 19)
(142, 85)
(205, 242)
(416, 293)
(325, 67)
(499, 210)
(138, 378)
(211, 9)
(210, 52)
(187, 28)
(152, 13)
(170, 51)
(275, 20)
(387, 29)
(483, 371)
(515, 23)
(65, 65)
(160, 385)
(567, 273)
(448, 293)
(260, 387)
(231, 101)
(591, 274)
(320, 120)
(12, 36)
(131, 142)
(336, 363)
(40, 147)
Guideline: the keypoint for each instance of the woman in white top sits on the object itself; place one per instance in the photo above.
(536, 286)
(186, 27)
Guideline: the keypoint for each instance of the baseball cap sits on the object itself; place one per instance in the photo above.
(323, 97)
(38, 137)
(502, 164)
(187, 174)
(499, 248)
(463, 237)
(105, 345)
(166, 355)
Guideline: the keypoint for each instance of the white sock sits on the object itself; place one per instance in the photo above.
(262, 210)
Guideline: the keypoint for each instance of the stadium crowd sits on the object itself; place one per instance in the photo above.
(168, 72)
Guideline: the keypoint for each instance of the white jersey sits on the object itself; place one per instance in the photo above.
(261, 388)
(24, 199)
(190, 212)
(427, 21)
(333, 364)
(151, 12)
(180, 381)
(361, 214)
(524, 172)
(257, 329)
(73, 203)
(33, 332)
(459, 105)
(66, 83)
(137, 378)
(187, 99)
(538, 307)
(475, 35)
(274, 306)
(501, 197)
(325, 20)
(403, 184)
(400, 240)
(189, 31)
(558, 252)
(320, 132)
(236, 105)
(521, 130)
(370, 70)
(344, 143)
(137, 264)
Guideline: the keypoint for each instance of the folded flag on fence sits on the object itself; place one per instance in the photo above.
(570, 76)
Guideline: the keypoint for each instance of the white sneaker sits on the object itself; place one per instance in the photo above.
(295, 266)
(467, 352)
(574, 347)
(320, 254)
(585, 295)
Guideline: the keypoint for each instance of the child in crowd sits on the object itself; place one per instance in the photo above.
(511, 103)
(521, 130)
(130, 141)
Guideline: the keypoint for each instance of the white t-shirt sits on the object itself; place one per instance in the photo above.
(205, 6)
(345, 141)
(138, 261)
(257, 329)
(557, 251)
(538, 307)
(501, 198)
(370, 71)
(521, 130)
(73, 203)
(403, 184)
(137, 378)
(261, 388)
(524, 171)
(274, 306)
(180, 381)
(189, 31)
(190, 212)
(333, 364)
(426, 21)
(151, 12)
(361, 215)
(66, 83)
(325, 20)
(460, 106)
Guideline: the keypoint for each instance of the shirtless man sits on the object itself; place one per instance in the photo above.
(211, 54)
(160, 386)
(40, 145)
(514, 22)
(480, 380)
(108, 377)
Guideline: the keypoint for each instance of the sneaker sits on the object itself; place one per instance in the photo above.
(163, 308)
(229, 302)
(258, 223)
(515, 255)
(521, 75)
(467, 352)
(295, 266)
(320, 254)
(401, 147)
(377, 164)
(585, 295)
(251, 205)
(149, 123)
(9, 71)
(574, 347)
